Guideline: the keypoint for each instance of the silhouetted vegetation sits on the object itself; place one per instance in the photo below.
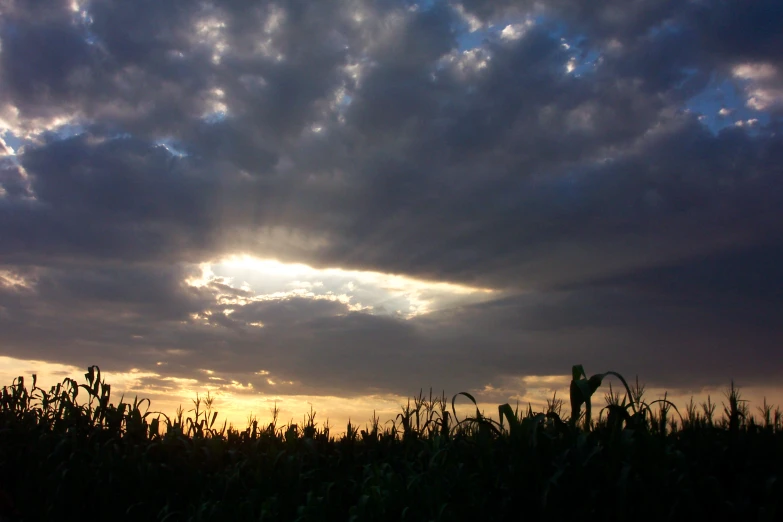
(71, 454)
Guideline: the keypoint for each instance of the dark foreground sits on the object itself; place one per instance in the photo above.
(69, 454)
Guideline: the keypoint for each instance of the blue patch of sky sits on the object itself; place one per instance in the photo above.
(719, 94)
(12, 140)
(69, 130)
(585, 60)
(467, 40)
(586, 64)
(724, 94)
(63, 132)
(343, 103)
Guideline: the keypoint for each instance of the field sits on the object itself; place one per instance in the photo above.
(70, 453)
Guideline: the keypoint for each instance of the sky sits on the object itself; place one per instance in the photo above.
(337, 203)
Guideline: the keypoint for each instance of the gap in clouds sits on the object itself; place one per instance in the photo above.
(360, 291)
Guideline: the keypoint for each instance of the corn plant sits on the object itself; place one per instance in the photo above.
(734, 411)
(582, 390)
(708, 407)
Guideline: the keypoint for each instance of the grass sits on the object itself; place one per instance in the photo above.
(638, 459)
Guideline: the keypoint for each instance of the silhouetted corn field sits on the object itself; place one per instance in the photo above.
(71, 454)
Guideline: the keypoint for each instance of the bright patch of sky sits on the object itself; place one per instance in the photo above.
(581, 63)
(172, 147)
(369, 292)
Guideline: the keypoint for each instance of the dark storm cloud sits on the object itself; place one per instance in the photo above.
(155, 291)
(679, 193)
(739, 31)
(12, 181)
(357, 134)
(750, 275)
(44, 58)
(120, 198)
(637, 324)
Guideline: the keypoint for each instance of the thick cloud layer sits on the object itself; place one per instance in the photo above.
(612, 170)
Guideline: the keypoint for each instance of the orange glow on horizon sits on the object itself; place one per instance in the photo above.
(238, 409)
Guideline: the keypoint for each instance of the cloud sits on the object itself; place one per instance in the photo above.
(566, 157)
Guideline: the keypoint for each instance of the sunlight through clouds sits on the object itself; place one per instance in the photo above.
(370, 292)
(209, 32)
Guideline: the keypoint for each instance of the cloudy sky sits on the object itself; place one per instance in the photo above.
(356, 199)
